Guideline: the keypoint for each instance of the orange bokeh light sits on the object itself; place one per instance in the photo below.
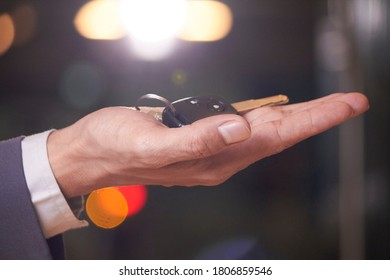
(100, 20)
(107, 208)
(206, 20)
(7, 32)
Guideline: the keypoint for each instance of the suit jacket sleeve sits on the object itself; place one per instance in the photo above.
(21, 236)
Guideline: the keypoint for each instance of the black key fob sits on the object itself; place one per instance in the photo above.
(188, 110)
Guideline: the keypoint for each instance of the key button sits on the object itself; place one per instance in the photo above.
(194, 101)
(216, 106)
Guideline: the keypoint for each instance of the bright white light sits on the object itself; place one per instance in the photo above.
(152, 51)
(153, 20)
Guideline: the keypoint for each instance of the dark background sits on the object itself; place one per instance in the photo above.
(299, 204)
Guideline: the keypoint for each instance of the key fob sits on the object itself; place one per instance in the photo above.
(191, 109)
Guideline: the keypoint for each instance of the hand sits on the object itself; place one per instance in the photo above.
(120, 146)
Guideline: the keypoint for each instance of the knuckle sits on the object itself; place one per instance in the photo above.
(199, 147)
(214, 178)
(282, 143)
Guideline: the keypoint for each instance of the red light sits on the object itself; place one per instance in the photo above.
(135, 197)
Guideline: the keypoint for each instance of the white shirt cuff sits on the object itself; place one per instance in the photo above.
(54, 213)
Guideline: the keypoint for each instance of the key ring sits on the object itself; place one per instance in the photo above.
(156, 97)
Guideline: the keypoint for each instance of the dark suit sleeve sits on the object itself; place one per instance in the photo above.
(20, 232)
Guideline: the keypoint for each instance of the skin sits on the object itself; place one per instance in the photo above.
(121, 146)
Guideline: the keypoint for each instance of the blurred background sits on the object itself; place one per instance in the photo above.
(326, 198)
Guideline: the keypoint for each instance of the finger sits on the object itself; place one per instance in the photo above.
(271, 113)
(203, 138)
(306, 123)
(311, 103)
(357, 101)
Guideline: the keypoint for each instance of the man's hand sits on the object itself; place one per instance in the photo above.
(120, 146)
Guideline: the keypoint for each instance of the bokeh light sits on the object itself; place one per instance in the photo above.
(135, 197)
(107, 208)
(7, 32)
(153, 20)
(333, 50)
(82, 85)
(206, 21)
(100, 20)
(152, 51)
(179, 77)
(25, 22)
(153, 26)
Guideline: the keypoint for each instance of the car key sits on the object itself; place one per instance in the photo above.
(188, 110)
(191, 109)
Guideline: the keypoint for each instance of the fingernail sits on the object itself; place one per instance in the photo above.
(233, 132)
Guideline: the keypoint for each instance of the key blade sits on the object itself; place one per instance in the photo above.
(248, 105)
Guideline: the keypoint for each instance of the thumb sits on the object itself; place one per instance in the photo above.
(205, 137)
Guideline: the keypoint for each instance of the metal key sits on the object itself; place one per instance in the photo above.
(188, 110)
(248, 105)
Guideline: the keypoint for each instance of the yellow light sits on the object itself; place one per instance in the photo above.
(206, 21)
(7, 33)
(100, 20)
(153, 20)
(179, 77)
(107, 208)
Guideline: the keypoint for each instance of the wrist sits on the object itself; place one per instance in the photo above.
(69, 163)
